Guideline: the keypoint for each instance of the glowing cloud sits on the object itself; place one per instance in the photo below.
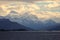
(54, 5)
(32, 9)
(20, 8)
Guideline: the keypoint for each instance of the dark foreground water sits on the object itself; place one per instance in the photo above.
(17, 35)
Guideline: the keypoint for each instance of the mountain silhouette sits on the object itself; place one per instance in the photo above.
(6, 24)
(31, 21)
(57, 27)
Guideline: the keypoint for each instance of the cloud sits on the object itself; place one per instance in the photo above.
(20, 7)
(31, 8)
(46, 15)
(52, 5)
(40, 0)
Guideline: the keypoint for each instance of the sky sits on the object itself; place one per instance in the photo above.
(30, 0)
(36, 0)
(49, 9)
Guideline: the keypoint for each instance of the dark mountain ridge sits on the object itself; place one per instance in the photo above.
(6, 24)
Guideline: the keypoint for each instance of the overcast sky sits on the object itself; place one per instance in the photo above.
(30, 0)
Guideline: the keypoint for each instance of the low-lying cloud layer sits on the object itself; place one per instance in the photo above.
(42, 10)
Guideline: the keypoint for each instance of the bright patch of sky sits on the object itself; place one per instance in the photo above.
(42, 5)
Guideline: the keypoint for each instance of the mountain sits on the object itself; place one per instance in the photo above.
(57, 27)
(1, 17)
(29, 24)
(31, 21)
(6, 24)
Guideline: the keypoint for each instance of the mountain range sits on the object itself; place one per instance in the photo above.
(30, 21)
(6, 24)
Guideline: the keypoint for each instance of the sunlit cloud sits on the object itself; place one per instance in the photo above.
(20, 8)
(42, 10)
(52, 5)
